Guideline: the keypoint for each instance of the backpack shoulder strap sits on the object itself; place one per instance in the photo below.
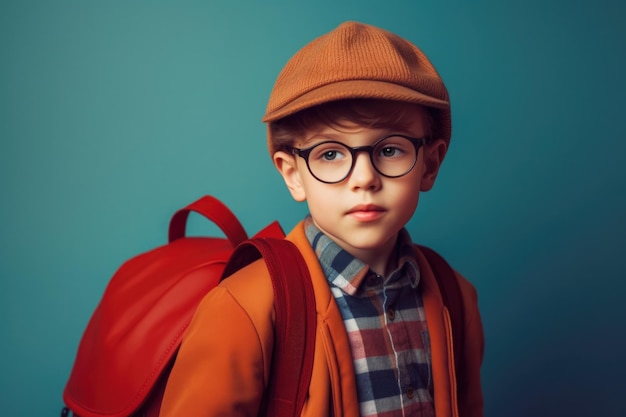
(294, 337)
(450, 290)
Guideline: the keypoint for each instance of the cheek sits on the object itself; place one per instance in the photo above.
(320, 195)
(315, 191)
(407, 197)
(323, 200)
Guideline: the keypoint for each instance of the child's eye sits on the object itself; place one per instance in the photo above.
(329, 153)
(390, 152)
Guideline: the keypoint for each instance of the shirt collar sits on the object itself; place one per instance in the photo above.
(348, 273)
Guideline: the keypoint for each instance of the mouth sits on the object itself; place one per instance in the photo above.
(366, 212)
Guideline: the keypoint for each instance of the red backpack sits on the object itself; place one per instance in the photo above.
(128, 348)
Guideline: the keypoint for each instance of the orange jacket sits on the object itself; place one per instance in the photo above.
(223, 364)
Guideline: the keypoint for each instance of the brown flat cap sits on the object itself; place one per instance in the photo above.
(356, 60)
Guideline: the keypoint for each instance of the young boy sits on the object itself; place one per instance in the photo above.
(358, 125)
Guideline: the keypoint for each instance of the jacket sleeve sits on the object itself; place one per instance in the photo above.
(470, 395)
(222, 366)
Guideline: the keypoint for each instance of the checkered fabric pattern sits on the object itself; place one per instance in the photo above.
(386, 326)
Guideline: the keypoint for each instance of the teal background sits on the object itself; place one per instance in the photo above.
(114, 114)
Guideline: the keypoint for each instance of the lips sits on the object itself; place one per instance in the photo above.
(366, 212)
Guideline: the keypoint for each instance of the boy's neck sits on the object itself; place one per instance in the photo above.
(382, 261)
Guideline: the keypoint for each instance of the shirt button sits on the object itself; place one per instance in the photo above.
(374, 280)
(391, 314)
(410, 392)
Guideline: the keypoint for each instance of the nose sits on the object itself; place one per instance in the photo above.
(364, 175)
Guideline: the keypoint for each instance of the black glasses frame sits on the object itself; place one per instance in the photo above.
(305, 152)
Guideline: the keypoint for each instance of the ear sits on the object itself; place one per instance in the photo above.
(434, 152)
(286, 164)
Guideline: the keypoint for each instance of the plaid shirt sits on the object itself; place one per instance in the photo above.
(386, 326)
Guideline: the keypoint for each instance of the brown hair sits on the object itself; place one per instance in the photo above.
(372, 113)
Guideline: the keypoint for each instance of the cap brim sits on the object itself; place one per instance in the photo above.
(342, 90)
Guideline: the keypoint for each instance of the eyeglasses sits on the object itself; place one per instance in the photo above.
(331, 162)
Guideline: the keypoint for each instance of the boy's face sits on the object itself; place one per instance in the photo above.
(363, 213)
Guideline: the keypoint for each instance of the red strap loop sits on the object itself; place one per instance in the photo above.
(214, 210)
